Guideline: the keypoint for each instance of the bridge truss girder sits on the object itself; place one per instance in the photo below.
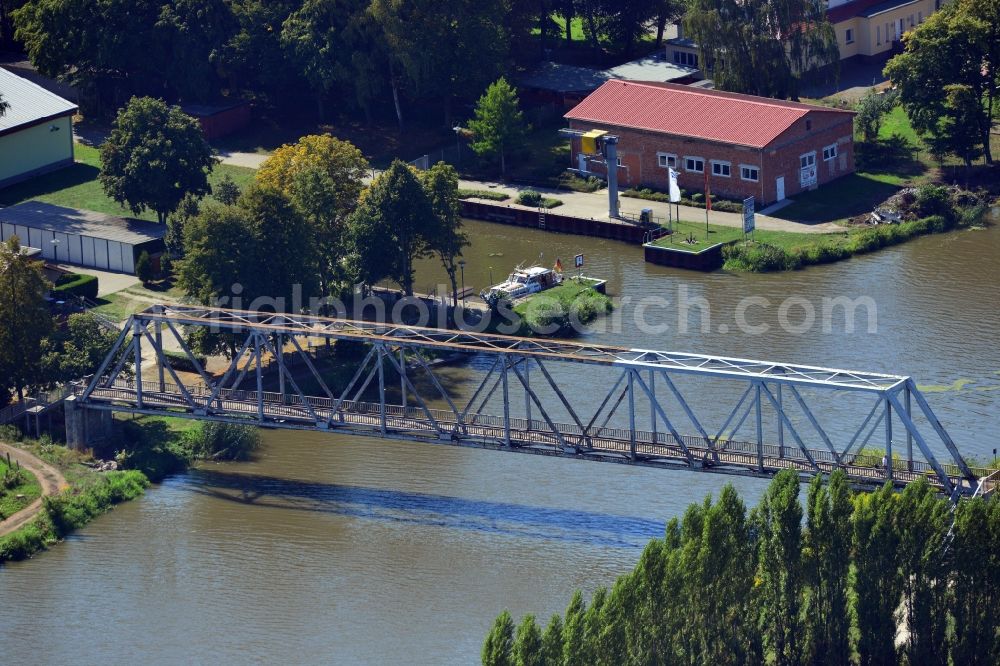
(643, 381)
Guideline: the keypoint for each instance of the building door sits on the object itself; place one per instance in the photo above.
(779, 184)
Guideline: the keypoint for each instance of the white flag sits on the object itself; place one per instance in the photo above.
(675, 191)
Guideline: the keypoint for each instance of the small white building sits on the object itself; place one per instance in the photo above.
(36, 131)
(82, 237)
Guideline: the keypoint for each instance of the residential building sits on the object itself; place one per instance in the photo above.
(740, 145)
(873, 29)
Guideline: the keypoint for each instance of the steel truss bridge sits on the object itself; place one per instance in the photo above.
(773, 422)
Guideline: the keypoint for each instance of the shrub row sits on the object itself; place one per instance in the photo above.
(76, 284)
(533, 198)
(696, 199)
(483, 194)
(764, 257)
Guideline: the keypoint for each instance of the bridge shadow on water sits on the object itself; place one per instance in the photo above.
(396, 506)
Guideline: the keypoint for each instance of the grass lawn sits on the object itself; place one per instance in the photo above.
(78, 187)
(575, 28)
(854, 194)
(17, 497)
(119, 306)
(566, 293)
(787, 240)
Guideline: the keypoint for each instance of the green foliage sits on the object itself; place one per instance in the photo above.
(144, 268)
(394, 225)
(76, 349)
(497, 649)
(226, 246)
(527, 648)
(720, 588)
(154, 157)
(23, 543)
(76, 284)
(498, 124)
(223, 441)
(483, 194)
(758, 258)
(226, 191)
(24, 317)
(948, 75)
(779, 44)
(872, 106)
(529, 198)
(446, 239)
(73, 510)
(150, 447)
(563, 310)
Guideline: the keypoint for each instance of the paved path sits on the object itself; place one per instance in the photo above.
(52, 480)
(594, 205)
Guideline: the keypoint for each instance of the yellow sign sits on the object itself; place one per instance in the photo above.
(588, 142)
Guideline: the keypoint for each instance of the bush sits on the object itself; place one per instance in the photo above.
(75, 284)
(71, 511)
(223, 441)
(144, 268)
(23, 543)
(529, 198)
(573, 182)
(759, 258)
(935, 200)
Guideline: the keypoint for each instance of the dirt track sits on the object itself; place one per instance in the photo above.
(53, 482)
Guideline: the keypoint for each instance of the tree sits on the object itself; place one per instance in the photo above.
(975, 552)
(323, 176)
(499, 123)
(826, 559)
(144, 268)
(872, 106)
(497, 649)
(948, 75)
(76, 350)
(575, 651)
(552, 640)
(154, 157)
(762, 47)
(448, 239)
(780, 568)
(188, 208)
(877, 587)
(527, 649)
(226, 191)
(191, 32)
(227, 250)
(24, 316)
(392, 227)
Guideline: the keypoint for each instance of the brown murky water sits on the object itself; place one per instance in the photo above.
(333, 549)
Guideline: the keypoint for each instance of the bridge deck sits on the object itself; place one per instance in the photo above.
(641, 447)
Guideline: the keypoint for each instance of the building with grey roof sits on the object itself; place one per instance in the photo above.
(36, 130)
(82, 237)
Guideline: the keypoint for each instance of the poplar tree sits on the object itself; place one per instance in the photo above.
(780, 568)
(552, 640)
(527, 649)
(574, 627)
(497, 649)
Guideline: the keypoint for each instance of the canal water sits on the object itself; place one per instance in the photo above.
(334, 549)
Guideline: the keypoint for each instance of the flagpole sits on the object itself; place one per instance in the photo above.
(708, 204)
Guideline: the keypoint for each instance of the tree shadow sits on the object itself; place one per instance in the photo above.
(425, 509)
(894, 155)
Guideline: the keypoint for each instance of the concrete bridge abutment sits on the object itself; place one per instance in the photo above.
(85, 426)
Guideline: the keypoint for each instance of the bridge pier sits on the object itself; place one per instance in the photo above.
(85, 427)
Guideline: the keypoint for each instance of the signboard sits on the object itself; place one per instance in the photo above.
(675, 190)
(578, 261)
(807, 176)
(748, 220)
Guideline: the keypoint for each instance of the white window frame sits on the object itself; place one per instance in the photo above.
(692, 157)
(849, 36)
(830, 152)
(743, 176)
(618, 160)
(663, 160)
(807, 159)
(722, 163)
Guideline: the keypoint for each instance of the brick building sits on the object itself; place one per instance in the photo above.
(748, 146)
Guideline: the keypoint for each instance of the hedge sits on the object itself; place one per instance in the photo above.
(76, 284)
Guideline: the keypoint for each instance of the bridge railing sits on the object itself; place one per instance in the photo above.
(244, 403)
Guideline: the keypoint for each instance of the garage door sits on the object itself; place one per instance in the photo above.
(88, 251)
(101, 253)
(75, 244)
(128, 258)
(114, 255)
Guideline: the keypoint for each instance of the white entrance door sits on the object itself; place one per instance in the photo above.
(779, 185)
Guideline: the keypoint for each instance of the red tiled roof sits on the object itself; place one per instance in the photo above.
(682, 110)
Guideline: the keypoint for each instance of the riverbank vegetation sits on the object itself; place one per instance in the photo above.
(90, 494)
(18, 488)
(868, 578)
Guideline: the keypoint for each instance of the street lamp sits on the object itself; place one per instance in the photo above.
(458, 144)
(55, 248)
(461, 265)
